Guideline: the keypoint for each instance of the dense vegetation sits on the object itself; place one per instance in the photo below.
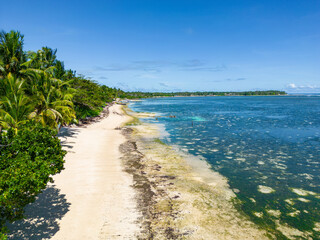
(188, 94)
(37, 96)
(28, 159)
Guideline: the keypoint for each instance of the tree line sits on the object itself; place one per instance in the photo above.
(38, 95)
(202, 94)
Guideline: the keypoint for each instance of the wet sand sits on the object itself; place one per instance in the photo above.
(182, 198)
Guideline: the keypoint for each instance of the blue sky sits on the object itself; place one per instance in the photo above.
(173, 45)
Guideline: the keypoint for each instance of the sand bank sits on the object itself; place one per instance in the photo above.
(92, 197)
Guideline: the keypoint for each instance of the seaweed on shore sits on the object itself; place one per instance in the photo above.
(155, 204)
(173, 202)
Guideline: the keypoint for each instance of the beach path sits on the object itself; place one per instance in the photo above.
(100, 192)
(92, 197)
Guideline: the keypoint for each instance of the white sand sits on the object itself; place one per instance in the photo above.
(100, 192)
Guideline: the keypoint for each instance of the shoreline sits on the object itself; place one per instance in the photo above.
(122, 182)
(186, 199)
(203, 197)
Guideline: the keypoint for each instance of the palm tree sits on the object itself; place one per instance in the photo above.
(44, 59)
(59, 71)
(53, 107)
(11, 53)
(15, 106)
(52, 96)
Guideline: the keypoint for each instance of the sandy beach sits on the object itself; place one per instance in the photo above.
(92, 197)
(102, 201)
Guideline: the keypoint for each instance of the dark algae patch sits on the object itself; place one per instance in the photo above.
(156, 206)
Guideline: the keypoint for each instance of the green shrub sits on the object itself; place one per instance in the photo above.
(28, 160)
(83, 111)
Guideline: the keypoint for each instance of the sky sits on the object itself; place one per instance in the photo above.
(178, 45)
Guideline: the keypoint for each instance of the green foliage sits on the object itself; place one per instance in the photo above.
(83, 111)
(52, 103)
(59, 71)
(47, 92)
(89, 97)
(88, 93)
(43, 59)
(15, 105)
(28, 160)
(11, 53)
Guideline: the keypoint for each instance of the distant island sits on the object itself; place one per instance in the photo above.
(190, 94)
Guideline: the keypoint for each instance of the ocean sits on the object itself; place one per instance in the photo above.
(268, 147)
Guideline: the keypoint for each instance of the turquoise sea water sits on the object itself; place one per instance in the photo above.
(267, 147)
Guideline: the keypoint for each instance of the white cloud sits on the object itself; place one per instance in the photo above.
(308, 88)
(292, 85)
